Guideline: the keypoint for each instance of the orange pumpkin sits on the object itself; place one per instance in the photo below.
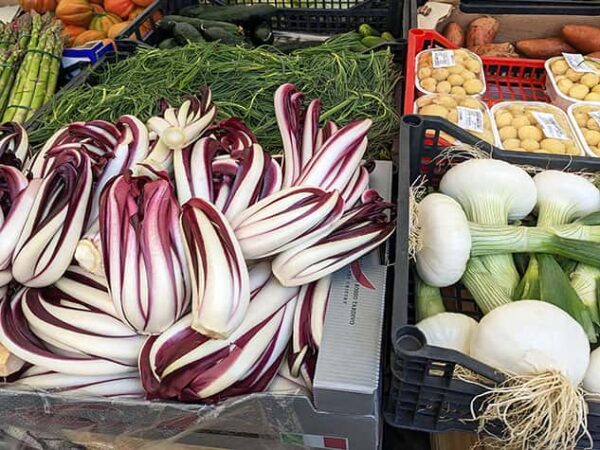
(88, 36)
(122, 8)
(146, 26)
(143, 3)
(71, 32)
(41, 6)
(102, 22)
(98, 9)
(116, 29)
(75, 12)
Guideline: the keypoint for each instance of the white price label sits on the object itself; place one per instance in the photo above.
(470, 119)
(550, 126)
(577, 62)
(442, 58)
(595, 115)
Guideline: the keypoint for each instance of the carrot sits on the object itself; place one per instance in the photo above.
(543, 48)
(482, 31)
(584, 38)
(455, 34)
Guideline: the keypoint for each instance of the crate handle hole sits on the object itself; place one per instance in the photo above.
(410, 339)
(412, 120)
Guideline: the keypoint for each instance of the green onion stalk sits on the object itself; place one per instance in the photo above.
(428, 300)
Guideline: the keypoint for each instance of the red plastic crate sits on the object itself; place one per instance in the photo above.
(506, 78)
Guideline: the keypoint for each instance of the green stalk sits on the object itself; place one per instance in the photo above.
(483, 286)
(555, 288)
(32, 78)
(8, 77)
(54, 68)
(428, 300)
(574, 241)
(586, 282)
(529, 287)
(17, 91)
(41, 84)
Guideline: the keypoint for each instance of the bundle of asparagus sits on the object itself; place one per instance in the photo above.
(30, 52)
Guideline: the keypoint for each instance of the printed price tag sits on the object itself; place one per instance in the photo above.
(595, 115)
(577, 62)
(470, 119)
(442, 58)
(549, 125)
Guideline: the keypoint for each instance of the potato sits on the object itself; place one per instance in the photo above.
(564, 85)
(521, 121)
(592, 97)
(559, 67)
(434, 110)
(590, 79)
(455, 34)
(530, 132)
(508, 132)
(543, 48)
(443, 87)
(592, 137)
(468, 102)
(573, 75)
(592, 124)
(572, 149)
(596, 88)
(553, 145)
(458, 90)
(530, 144)
(584, 38)
(474, 86)
(511, 144)
(468, 75)
(516, 109)
(446, 101)
(578, 91)
(580, 117)
(453, 116)
(424, 72)
(456, 80)
(456, 69)
(429, 84)
(473, 65)
(440, 74)
(503, 119)
(482, 31)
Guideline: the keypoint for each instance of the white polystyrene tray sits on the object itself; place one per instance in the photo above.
(485, 108)
(556, 109)
(578, 132)
(557, 98)
(429, 50)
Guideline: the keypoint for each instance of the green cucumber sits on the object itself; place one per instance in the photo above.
(387, 36)
(366, 30)
(371, 41)
(184, 33)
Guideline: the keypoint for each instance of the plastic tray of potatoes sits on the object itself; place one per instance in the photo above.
(566, 86)
(463, 77)
(585, 117)
(447, 106)
(517, 128)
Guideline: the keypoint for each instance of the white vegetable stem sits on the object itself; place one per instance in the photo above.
(492, 192)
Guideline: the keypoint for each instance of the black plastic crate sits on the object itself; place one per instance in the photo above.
(311, 16)
(561, 7)
(422, 393)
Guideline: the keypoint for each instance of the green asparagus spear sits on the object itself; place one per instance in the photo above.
(33, 74)
(41, 83)
(22, 75)
(8, 77)
(54, 68)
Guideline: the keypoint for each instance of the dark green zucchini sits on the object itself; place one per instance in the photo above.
(262, 34)
(219, 34)
(184, 33)
(168, 22)
(168, 43)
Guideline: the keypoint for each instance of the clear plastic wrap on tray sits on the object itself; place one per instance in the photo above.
(467, 112)
(572, 79)
(585, 118)
(457, 72)
(535, 127)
